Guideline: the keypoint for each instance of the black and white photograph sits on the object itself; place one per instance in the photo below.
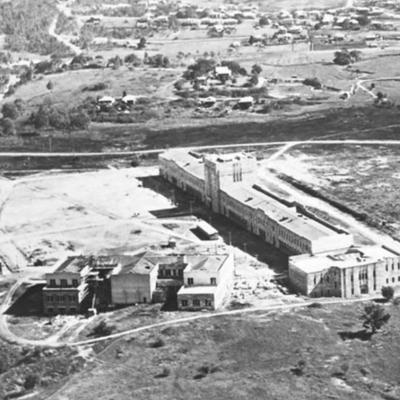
(198, 199)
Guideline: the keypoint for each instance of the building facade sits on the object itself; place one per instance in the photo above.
(226, 183)
(67, 287)
(207, 282)
(354, 272)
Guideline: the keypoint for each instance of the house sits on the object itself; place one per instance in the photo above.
(208, 101)
(223, 73)
(67, 287)
(245, 102)
(207, 282)
(106, 101)
(129, 100)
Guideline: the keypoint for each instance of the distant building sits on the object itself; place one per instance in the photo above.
(223, 73)
(349, 273)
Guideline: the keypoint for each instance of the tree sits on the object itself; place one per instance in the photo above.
(79, 119)
(41, 118)
(59, 119)
(263, 21)
(387, 292)
(142, 43)
(234, 67)
(344, 57)
(374, 317)
(50, 85)
(256, 69)
(201, 67)
(10, 110)
(8, 126)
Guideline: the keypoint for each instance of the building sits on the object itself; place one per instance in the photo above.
(135, 282)
(350, 273)
(227, 184)
(185, 280)
(207, 280)
(67, 287)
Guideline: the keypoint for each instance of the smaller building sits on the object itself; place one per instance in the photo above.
(348, 273)
(135, 282)
(223, 73)
(207, 281)
(67, 287)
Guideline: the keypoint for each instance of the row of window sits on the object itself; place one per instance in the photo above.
(393, 280)
(61, 298)
(170, 273)
(64, 283)
(213, 281)
(387, 267)
(197, 303)
(61, 310)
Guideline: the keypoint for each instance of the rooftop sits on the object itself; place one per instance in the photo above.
(286, 216)
(190, 290)
(73, 265)
(138, 264)
(190, 161)
(209, 263)
(354, 256)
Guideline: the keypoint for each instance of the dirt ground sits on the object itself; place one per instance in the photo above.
(297, 354)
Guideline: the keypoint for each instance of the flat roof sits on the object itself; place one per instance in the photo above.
(190, 161)
(353, 256)
(209, 263)
(229, 157)
(73, 265)
(190, 290)
(286, 216)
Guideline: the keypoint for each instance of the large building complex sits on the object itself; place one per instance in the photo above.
(226, 183)
(325, 261)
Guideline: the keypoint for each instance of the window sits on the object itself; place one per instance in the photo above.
(75, 282)
(387, 280)
(213, 281)
(387, 268)
(207, 303)
(196, 302)
(64, 283)
(167, 272)
(190, 281)
(184, 303)
(393, 280)
(52, 282)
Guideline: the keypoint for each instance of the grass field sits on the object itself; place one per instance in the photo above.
(253, 356)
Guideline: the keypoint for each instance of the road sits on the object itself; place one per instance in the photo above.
(290, 143)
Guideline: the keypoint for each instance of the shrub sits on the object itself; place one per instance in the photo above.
(157, 343)
(31, 381)
(165, 372)
(102, 329)
(387, 292)
(314, 82)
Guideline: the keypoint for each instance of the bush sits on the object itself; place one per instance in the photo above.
(157, 343)
(314, 82)
(31, 381)
(102, 329)
(165, 372)
(387, 292)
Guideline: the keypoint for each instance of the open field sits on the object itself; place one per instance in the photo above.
(298, 354)
(365, 178)
(69, 86)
